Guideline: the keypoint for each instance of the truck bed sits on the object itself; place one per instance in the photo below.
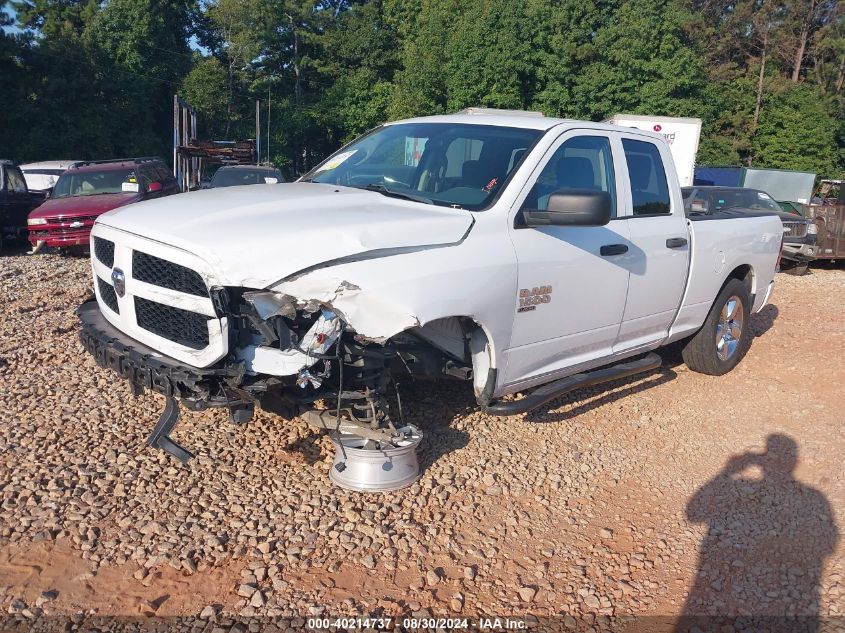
(720, 244)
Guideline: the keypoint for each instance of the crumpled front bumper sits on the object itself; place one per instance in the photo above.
(144, 368)
(800, 252)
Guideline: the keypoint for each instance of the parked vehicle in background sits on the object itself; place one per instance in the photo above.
(799, 233)
(236, 175)
(40, 177)
(16, 201)
(682, 135)
(781, 184)
(829, 220)
(89, 189)
(507, 250)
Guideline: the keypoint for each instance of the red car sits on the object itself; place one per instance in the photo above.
(88, 190)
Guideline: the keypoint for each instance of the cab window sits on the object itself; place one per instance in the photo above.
(583, 162)
(649, 189)
(15, 181)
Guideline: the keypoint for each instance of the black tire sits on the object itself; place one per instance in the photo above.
(708, 353)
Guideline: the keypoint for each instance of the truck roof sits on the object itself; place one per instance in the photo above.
(113, 164)
(519, 119)
(50, 164)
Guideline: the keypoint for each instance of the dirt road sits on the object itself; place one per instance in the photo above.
(676, 494)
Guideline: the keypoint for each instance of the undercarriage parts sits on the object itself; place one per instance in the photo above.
(160, 437)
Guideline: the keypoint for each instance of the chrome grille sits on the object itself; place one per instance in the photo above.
(104, 250)
(794, 229)
(160, 272)
(108, 295)
(181, 326)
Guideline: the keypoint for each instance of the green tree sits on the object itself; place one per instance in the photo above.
(562, 41)
(641, 61)
(358, 58)
(206, 88)
(798, 131)
(419, 86)
(489, 57)
(141, 53)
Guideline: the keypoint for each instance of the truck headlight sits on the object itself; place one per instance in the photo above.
(36, 221)
(812, 229)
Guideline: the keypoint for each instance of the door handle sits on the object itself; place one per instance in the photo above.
(676, 242)
(613, 249)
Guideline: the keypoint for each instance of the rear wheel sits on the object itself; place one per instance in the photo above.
(725, 336)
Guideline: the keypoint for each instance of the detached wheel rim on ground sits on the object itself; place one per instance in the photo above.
(729, 328)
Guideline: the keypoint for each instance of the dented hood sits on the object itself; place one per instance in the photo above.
(255, 235)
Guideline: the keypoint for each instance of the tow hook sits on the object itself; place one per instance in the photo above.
(160, 437)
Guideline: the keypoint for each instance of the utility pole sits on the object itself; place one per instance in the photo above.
(257, 131)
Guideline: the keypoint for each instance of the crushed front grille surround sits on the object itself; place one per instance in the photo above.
(164, 304)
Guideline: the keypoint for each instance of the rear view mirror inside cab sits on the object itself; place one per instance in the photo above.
(572, 207)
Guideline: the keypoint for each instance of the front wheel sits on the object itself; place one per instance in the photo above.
(725, 336)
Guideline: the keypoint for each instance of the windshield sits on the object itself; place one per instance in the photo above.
(448, 164)
(706, 201)
(92, 183)
(234, 177)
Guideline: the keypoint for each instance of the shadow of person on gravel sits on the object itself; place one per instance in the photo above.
(761, 561)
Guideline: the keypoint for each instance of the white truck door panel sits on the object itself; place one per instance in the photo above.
(660, 245)
(572, 298)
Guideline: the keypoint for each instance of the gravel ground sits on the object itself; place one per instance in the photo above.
(612, 503)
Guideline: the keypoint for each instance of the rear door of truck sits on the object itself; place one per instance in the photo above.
(659, 250)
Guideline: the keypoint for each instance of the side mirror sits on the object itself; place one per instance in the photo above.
(154, 187)
(572, 207)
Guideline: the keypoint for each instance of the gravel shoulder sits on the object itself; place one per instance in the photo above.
(582, 510)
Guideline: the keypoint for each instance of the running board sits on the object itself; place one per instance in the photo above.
(552, 390)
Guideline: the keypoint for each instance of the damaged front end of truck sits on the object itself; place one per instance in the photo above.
(293, 357)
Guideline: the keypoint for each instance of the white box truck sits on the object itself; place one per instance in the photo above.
(682, 135)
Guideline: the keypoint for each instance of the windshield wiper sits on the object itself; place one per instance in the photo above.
(395, 194)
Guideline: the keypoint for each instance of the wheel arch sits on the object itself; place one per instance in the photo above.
(479, 347)
(745, 274)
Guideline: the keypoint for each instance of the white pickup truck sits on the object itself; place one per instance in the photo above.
(517, 252)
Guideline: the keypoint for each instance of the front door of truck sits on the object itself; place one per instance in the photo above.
(572, 279)
(660, 243)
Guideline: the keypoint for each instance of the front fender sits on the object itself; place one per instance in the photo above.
(371, 314)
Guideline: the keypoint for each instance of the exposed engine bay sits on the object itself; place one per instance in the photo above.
(299, 357)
